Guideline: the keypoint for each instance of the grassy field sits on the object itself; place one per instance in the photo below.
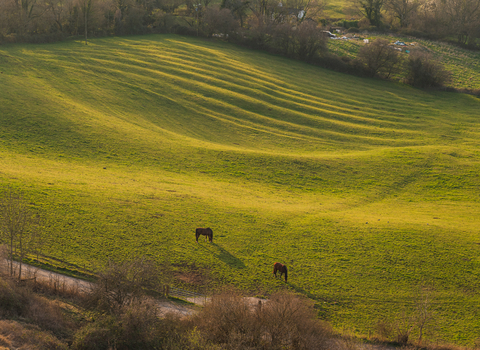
(367, 190)
(463, 64)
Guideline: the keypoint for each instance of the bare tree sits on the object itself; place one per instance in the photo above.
(378, 58)
(219, 21)
(425, 313)
(403, 10)
(18, 227)
(310, 40)
(238, 8)
(372, 10)
(122, 283)
(462, 17)
(86, 7)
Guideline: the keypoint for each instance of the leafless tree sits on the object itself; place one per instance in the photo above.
(309, 41)
(425, 313)
(18, 227)
(403, 10)
(462, 17)
(371, 9)
(122, 283)
(378, 58)
(219, 21)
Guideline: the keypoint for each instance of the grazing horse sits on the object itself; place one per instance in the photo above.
(207, 232)
(280, 268)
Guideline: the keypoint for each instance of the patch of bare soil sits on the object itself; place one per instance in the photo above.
(191, 278)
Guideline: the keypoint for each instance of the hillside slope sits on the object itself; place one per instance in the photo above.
(367, 190)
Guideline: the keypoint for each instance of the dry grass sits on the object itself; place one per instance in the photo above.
(286, 321)
(15, 335)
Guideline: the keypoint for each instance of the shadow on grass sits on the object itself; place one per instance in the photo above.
(225, 256)
(229, 259)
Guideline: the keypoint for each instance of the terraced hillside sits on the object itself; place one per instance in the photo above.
(367, 190)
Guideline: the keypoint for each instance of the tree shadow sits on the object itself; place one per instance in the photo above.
(229, 259)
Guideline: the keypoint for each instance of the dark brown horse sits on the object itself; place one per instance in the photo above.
(207, 232)
(280, 268)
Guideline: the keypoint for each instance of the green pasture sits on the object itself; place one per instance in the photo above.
(463, 64)
(367, 190)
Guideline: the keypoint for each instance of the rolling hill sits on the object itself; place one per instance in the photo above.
(366, 189)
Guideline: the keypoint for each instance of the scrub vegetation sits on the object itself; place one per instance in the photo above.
(367, 190)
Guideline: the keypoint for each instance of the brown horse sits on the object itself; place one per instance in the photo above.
(280, 268)
(207, 232)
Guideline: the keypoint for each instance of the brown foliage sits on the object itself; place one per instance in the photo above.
(14, 335)
(123, 283)
(220, 21)
(426, 72)
(20, 302)
(286, 321)
(378, 58)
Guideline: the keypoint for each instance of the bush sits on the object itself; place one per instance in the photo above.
(13, 302)
(309, 41)
(285, 321)
(378, 58)
(14, 335)
(123, 283)
(289, 322)
(425, 72)
(226, 318)
(135, 326)
(95, 336)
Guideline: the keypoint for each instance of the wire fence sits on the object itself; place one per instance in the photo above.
(187, 295)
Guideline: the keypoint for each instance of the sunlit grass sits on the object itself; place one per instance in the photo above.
(367, 190)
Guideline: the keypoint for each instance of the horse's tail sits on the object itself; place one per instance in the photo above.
(286, 273)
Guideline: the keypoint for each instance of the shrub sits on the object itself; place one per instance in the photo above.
(309, 40)
(425, 72)
(384, 329)
(20, 302)
(14, 335)
(13, 302)
(226, 318)
(95, 336)
(123, 283)
(285, 321)
(290, 322)
(378, 58)
(135, 326)
(49, 316)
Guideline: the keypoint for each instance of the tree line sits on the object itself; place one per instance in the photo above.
(255, 21)
(455, 20)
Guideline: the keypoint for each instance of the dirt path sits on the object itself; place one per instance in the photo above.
(63, 282)
(164, 306)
